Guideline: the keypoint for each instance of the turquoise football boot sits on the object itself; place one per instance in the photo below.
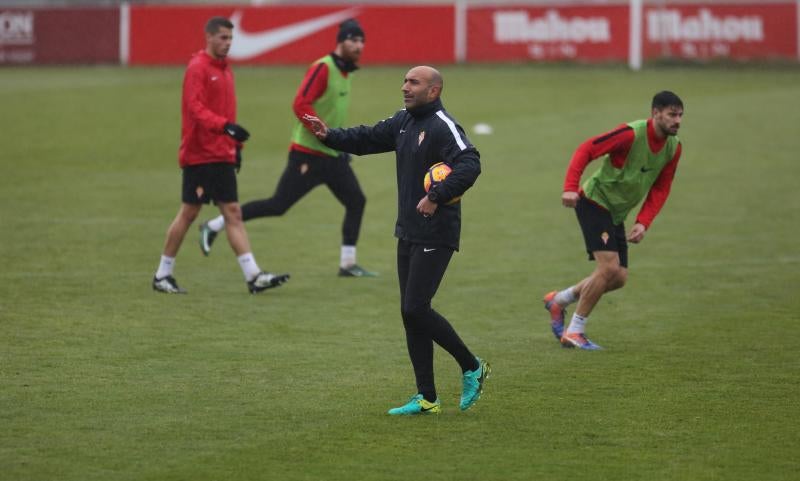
(417, 405)
(473, 384)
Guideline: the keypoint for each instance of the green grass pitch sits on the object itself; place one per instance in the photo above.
(103, 379)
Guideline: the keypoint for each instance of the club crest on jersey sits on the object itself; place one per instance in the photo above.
(604, 237)
(421, 138)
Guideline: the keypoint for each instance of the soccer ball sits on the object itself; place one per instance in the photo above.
(436, 174)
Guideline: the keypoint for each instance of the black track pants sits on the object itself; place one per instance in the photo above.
(420, 269)
(304, 172)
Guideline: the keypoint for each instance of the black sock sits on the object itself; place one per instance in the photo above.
(429, 396)
(477, 366)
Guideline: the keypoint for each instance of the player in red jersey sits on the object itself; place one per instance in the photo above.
(210, 152)
(639, 162)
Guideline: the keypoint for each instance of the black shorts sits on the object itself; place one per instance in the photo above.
(206, 182)
(599, 231)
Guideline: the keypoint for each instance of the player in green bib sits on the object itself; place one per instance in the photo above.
(639, 160)
(324, 93)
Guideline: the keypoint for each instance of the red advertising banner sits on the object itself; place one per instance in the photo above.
(399, 34)
(291, 35)
(588, 33)
(732, 31)
(74, 35)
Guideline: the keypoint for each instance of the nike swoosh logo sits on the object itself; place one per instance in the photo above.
(646, 170)
(402, 131)
(248, 45)
(425, 249)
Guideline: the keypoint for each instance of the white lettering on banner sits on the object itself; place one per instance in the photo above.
(17, 56)
(516, 27)
(16, 28)
(694, 50)
(563, 51)
(670, 25)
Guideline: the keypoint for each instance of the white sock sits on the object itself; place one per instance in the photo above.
(165, 267)
(347, 257)
(217, 223)
(577, 324)
(249, 266)
(565, 297)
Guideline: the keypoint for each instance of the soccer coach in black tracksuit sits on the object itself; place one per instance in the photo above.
(427, 227)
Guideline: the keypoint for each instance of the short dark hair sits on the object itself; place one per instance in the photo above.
(665, 98)
(215, 23)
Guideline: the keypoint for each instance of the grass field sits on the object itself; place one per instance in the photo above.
(102, 379)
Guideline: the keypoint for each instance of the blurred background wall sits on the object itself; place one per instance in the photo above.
(635, 32)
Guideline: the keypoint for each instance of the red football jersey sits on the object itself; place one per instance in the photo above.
(209, 102)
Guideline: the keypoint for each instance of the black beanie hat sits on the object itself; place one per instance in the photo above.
(349, 29)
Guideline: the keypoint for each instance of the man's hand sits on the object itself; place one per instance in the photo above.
(317, 126)
(239, 133)
(637, 233)
(570, 199)
(238, 159)
(426, 207)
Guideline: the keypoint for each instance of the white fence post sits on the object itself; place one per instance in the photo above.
(460, 7)
(636, 40)
(124, 33)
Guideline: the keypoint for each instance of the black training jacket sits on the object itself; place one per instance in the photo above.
(421, 137)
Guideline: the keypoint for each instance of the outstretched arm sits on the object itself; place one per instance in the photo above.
(359, 140)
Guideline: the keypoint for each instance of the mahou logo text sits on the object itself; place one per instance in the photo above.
(671, 26)
(515, 26)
